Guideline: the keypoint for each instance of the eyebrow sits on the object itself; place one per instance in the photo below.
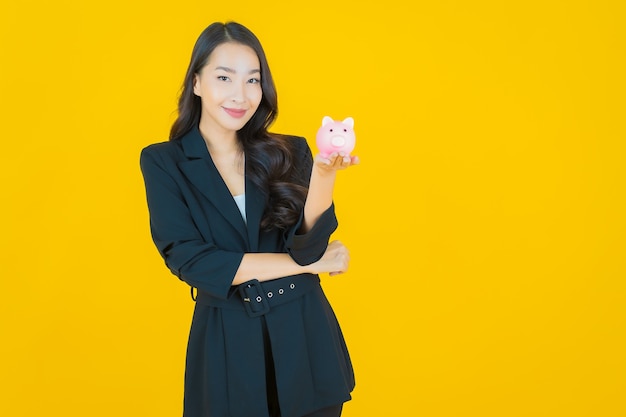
(232, 71)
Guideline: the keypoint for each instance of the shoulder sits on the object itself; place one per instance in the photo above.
(288, 138)
(162, 151)
(161, 158)
(298, 144)
(301, 158)
(171, 147)
(298, 141)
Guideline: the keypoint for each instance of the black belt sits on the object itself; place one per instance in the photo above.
(257, 298)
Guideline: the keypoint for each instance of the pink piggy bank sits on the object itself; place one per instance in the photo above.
(335, 136)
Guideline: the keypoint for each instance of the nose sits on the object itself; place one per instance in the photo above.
(238, 93)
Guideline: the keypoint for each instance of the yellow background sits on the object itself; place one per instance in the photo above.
(486, 222)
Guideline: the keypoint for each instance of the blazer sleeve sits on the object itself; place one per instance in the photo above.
(188, 254)
(306, 248)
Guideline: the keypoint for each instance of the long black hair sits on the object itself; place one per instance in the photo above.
(270, 160)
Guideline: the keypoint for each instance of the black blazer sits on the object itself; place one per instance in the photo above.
(196, 224)
(202, 237)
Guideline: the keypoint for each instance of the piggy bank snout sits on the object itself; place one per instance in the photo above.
(338, 141)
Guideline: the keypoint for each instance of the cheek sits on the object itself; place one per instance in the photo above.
(213, 95)
(256, 96)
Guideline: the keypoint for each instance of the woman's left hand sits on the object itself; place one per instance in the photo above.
(334, 162)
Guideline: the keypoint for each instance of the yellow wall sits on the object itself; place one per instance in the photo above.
(486, 222)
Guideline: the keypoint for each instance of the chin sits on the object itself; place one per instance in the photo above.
(237, 126)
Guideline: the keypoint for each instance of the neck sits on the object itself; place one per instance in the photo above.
(219, 142)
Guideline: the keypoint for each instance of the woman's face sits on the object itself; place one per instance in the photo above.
(229, 86)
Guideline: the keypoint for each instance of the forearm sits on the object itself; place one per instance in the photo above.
(319, 197)
(267, 266)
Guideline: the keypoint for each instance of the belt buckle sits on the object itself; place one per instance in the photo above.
(254, 300)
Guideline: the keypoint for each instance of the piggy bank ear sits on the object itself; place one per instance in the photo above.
(326, 120)
(349, 121)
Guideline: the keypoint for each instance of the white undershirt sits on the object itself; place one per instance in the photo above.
(241, 203)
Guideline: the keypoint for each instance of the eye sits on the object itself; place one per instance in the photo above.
(331, 130)
(222, 78)
(345, 130)
(254, 81)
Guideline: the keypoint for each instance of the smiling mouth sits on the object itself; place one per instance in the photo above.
(236, 113)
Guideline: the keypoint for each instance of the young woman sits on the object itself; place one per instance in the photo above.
(244, 217)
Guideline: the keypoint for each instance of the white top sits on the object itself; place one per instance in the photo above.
(241, 203)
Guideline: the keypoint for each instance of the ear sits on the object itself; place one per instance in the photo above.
(327, 120)
(196, 89)
(349, 121)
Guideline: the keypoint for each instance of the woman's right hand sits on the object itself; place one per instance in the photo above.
(334, 261)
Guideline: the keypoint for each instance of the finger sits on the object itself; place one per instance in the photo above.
(345, 160)
(324, 160)
(337, 161)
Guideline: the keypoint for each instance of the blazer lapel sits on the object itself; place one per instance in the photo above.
(202, 173)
